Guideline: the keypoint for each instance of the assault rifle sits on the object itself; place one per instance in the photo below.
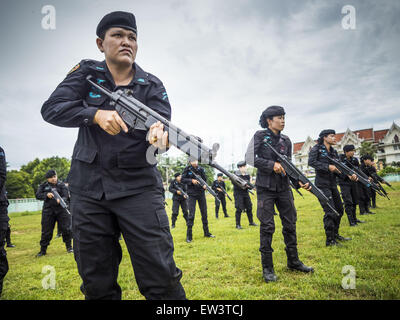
(58, 197)
(138, 116)
(224, 191)
(203, 183)
(362, 178)
(293, 172)
(185, 195)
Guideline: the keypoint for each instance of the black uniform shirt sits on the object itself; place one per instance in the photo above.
(45, 188)
(352, 162)
(187, 176)
(260, 156)
(101, 163)
(3, 176)
(316, 159)
(173, 189)
(237, 191)
(3, 194)
(218, 184)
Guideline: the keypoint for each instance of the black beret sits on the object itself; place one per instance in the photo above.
(220, 175)
(50, 174)
(241, 164)
(119, 19)
(177, 174)
(367, 157)
(326, 132)
(270, 112)
(348, 147)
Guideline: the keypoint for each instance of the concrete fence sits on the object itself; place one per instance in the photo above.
(27, 204)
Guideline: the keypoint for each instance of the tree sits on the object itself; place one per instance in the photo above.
(60, 165)
(18, 185)
(368, 148)
(30, 166)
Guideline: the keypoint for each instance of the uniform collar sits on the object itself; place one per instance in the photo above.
(140, 76)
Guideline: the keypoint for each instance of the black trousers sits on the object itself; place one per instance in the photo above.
(69, 224)
(49, 218)
(331, 220)
(265, 213)
(373, 198)
(350, 198)
(364, 199)
(217, 205)
(143, 222)
(243, 203)
(201, 199)
(3, 253)
(8, 234)
(176, 203)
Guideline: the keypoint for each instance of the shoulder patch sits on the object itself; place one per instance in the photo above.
(74, 68)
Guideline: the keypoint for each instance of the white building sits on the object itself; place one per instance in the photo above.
(387, 142)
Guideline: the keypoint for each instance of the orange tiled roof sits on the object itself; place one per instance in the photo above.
(380, 134)
(297, 146)
(366, 134)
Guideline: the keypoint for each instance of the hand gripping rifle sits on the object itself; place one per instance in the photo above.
(58, 197)
(362, 178)
(293, 187)
(185, 195)
(375, 179)
(203, 183)
(296, 174)
(140, 117)
(224, 191)
(379, 179)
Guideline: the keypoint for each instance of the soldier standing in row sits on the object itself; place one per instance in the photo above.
(325, 179)
(217, 187)
(242, 197)
(273, 189)
(178, 199)
(365, 192)
(348, 185)
(115, 188)
(53, 212)
(369, 169)
(196, 194)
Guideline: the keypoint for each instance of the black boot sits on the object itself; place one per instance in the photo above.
(68, 245)
(251, 222)
(350, 217)
(207, 233)
(293, 262)
(42, 252)
(268, 267)
(340, 238)
(333, 243)
(237, 216)
(331, 240)
(189, 235)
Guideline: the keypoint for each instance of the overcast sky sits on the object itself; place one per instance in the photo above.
(222, 63)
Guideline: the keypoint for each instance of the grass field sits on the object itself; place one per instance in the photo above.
(228, 266)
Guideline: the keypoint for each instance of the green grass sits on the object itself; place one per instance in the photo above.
(228, 266)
